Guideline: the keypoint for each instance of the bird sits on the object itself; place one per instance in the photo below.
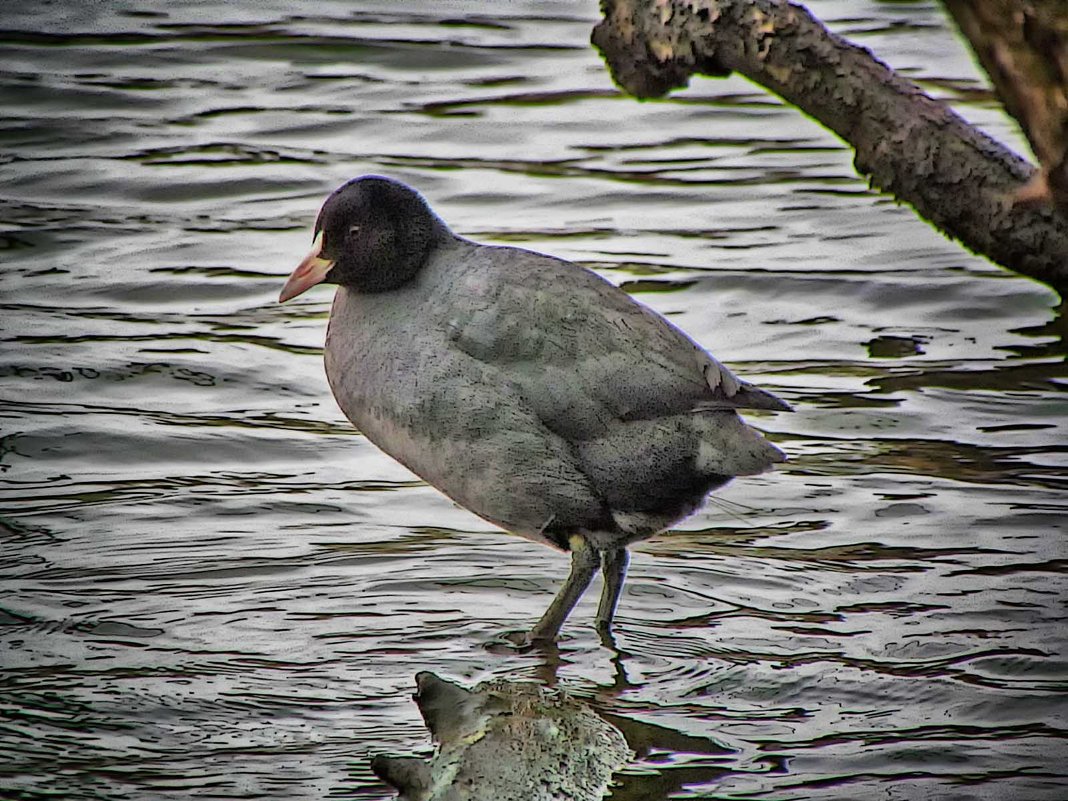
(528, 389)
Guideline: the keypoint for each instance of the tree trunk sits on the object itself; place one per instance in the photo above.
(909, 144)
(1023, 46)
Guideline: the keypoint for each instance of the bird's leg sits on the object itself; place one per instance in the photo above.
(584, 560)
(614, 570)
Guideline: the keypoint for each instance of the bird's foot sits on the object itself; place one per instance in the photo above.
(519, 639)
(522, 642)
(605, 635)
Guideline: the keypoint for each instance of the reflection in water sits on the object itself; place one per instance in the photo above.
(213, 587)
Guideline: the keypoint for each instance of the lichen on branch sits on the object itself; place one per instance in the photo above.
(907, 143)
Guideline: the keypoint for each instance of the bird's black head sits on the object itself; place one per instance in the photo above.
(373, 234)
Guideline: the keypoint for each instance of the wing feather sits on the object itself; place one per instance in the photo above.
(596, 356)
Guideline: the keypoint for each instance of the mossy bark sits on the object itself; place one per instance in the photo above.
(1023, 46)
(909, 144)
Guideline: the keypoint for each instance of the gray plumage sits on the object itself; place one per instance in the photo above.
(538, 395)
(528, 389)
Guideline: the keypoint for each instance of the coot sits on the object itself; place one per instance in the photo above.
(526, 388)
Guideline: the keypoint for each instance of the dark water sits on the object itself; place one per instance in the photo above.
(214, 588)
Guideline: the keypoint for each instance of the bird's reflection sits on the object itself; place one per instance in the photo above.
(551, 658)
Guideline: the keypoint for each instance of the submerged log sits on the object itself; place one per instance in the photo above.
(909, 144)
(506, 741)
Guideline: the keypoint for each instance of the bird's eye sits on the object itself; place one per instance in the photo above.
(354, 230)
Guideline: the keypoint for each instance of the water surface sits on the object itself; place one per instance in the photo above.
(215, 588)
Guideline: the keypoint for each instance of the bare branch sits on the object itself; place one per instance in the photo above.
(1023, 46)
(910, 144)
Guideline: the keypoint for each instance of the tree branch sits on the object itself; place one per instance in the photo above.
(909, 144)
(1023, 46)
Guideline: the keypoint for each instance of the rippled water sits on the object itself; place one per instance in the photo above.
(214, 588)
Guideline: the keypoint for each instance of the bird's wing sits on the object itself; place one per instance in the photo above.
(583, 353)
